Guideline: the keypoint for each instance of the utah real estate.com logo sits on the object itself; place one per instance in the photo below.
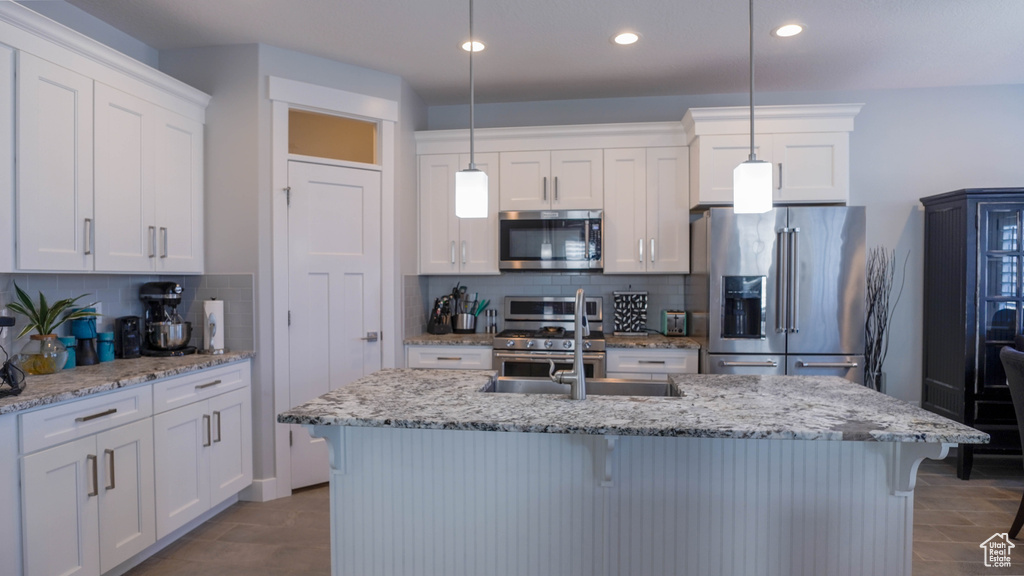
(997, 550)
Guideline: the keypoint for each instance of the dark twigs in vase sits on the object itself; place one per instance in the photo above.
(881, 273)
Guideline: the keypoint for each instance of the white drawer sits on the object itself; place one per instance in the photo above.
(54, 425)
(452, 357)
(183, 390)
(652, 361)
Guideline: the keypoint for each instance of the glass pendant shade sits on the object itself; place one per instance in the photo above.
(471, 193)
(752, 187)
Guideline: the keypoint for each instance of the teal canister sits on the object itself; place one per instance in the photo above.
(105, 346)
(69, 343)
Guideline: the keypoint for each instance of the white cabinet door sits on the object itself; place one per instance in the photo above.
(230, 450)
(625, 218)
(449, 357)
(439, 230)
(712, 161)
(125, 230)
(811, 167)
(180, 438)
(478, 237)
(60, 510)
(668, 210)
(577, 180)
(7, 84)
(54, 190)
(178, 163)
(525, 180)
(127, 517)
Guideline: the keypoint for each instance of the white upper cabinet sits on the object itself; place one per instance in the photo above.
(551, 180)
(646, 223)
(808, 147)
(54, 183)
(108, 157)
(449, 244)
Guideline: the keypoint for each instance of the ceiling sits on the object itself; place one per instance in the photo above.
(561, 49)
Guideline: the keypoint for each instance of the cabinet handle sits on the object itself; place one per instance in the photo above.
(109, 452)
(803, 364)
(765, 364)
(650, 361)
(207, 385)
(96, 415)
(780, 175)
(152, 241)
(163, 232)
(652, 250)
(640, 244)
(88, 236)
(545, 188)
(453, 251)
(217, 414)
(556, 188)
(463, 252)
(450, 358)
(208, 441)
(95, 476)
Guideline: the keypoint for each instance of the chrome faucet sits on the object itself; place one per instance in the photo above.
(576, 378)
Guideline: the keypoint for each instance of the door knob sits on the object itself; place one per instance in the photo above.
(370, 337)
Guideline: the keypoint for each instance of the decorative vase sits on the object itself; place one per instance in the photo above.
(875, 380)
(44, 354)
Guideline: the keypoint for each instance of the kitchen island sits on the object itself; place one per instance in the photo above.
(737, 475)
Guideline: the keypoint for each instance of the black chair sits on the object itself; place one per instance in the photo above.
(1013, 364)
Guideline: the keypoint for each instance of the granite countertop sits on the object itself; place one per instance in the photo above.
(105, 376)
(714, 406)
(652, 340)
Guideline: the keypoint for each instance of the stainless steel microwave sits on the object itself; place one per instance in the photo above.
(550, 240)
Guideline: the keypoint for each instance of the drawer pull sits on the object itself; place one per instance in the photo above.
(208, 384)
(209, 440)
(109, 452)
(96, 415)
(217, 414)
(450, 358)
(95, 476)
(650, 361)
(803, 364)
(765, 364)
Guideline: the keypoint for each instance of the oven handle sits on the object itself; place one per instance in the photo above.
(542, 358)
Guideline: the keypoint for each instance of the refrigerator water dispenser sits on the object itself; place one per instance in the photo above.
(743, 306)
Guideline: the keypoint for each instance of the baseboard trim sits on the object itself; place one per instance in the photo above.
(261, 490)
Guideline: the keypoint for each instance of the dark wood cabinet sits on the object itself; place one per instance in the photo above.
(973, 300)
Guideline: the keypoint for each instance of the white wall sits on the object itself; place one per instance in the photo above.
(906, 144)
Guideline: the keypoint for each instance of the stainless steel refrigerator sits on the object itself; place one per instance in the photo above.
(780, 292)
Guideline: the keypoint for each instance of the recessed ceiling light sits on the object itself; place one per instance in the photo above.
(626, 38)
(477, 46)
(787, 30)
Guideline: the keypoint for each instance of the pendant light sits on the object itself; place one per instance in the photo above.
(471, 184)
(752, 180)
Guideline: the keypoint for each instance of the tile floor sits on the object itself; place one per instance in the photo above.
(290, 536)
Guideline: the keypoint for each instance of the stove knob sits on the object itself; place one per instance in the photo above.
(548, 343)
(587, 345)
(567, 344)
(511, 343)
(529, 344)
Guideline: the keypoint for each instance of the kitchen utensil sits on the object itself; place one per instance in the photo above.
(168, 335)
(165, 333)
(465, 324)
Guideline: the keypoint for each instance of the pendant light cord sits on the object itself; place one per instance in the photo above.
(751, 30)
(472, 48)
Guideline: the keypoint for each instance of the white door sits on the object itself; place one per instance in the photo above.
(334, 292)
(577, 180)
(183, 468)
(230, 444)
(668, 210)
(126, 492)
(625, 217)
(525, 180)
(439, 228)
(810, 167)
(54, 172)
(179, 193)
(478, 237)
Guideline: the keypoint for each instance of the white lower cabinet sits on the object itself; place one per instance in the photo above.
(449, 357)
(87, 505)
(650, 363)
(205, 453)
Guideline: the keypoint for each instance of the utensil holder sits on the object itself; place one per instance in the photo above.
(465, 324)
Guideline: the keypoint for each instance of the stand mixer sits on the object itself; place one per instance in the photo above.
(165, 333)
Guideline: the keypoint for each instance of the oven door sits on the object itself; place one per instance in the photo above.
(537, 364)
(550, 240)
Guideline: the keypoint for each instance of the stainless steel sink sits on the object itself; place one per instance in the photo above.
(595, 386)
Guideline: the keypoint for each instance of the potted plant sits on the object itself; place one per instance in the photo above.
(44, 353)
(881, 272)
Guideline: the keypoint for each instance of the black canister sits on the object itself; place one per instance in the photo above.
(85, 354)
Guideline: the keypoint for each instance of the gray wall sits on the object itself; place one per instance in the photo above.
(906, 144)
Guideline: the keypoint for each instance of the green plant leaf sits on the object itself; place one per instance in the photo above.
(46, 318)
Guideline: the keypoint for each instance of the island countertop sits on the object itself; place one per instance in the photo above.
(714, 406)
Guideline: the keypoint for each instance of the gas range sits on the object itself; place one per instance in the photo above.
(545, 323)
(545, 339)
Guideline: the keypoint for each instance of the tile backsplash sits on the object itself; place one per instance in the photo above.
(118, 295)
(665, 292)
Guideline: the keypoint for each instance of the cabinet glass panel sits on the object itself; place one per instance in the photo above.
(1002, 272)
(1002, 321)
(1003, 230)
